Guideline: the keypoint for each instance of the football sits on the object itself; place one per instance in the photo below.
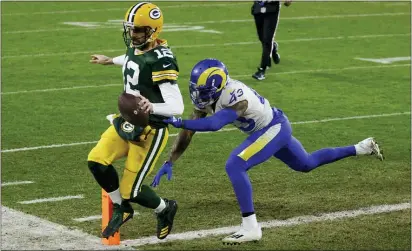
(128, 105)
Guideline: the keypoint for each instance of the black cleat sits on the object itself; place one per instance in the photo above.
(165, 219)
(121, 214)
(275, 54)
(259, 75)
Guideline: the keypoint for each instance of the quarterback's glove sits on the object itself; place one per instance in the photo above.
(176, 122)
(165, 169)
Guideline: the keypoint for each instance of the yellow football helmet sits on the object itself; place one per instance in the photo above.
(142, 18)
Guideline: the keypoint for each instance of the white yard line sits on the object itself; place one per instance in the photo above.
(350, 118)
(234, 76)
(191, 235)
(62, 89)
(62, 54)
(20, 231)
(376, 36)
(213, 45)
(302, 18)
(48, 146)
(397, 3)
(52, 199)
(119, 9)
(94, 28)
(97, 217)
(88, 218)
(385, 60)
(16, 183)
(216, 22)
(324, 70)
(223, 130)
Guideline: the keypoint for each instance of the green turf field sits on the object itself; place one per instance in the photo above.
(55, 100)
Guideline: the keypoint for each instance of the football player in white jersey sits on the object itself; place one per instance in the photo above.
(269, 135)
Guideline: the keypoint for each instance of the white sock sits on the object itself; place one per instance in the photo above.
(115, 196)
(250, 222)
(161, 206)
(358, 149)
(361, 150)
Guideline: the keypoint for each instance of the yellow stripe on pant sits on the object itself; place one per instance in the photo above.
(260, 142)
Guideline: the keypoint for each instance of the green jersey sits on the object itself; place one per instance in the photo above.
(143, 73)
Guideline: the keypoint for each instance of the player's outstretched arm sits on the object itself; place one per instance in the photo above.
(183, 139)
(105, 60)
(213, 123)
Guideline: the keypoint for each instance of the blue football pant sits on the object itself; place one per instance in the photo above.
(274, 140)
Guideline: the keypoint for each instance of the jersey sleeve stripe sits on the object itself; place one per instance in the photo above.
(162, 75)
(155, 79)
(155, 73)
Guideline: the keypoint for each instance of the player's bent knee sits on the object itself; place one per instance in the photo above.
(94, 166)
(235, 164)
(302, 167)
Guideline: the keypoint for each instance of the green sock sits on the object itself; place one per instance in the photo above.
(147, 198)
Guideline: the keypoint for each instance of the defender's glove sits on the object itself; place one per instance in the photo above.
(165, 169)
(176, 122)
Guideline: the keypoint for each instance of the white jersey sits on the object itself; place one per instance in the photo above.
(258, 114)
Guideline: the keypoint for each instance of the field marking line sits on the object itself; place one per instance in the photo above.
(303, 18)
(216, 22)
(385, 60)
(84, 26)
(15, 183)
(22, 231)
(234, 76)
(397, 3)
(53, 236)
(119, 9)
(323, 70)
(222, 130)
(297, 40)
(47, 146)
(52, 199)
(191, 235)
(88, 218)
(60, 89)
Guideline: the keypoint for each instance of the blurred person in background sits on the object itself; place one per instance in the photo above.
(266, 14)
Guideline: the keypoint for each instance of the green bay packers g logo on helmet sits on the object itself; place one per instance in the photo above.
(155, 13)
(142, 24)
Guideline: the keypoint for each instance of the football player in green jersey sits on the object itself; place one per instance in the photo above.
(150, 71)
